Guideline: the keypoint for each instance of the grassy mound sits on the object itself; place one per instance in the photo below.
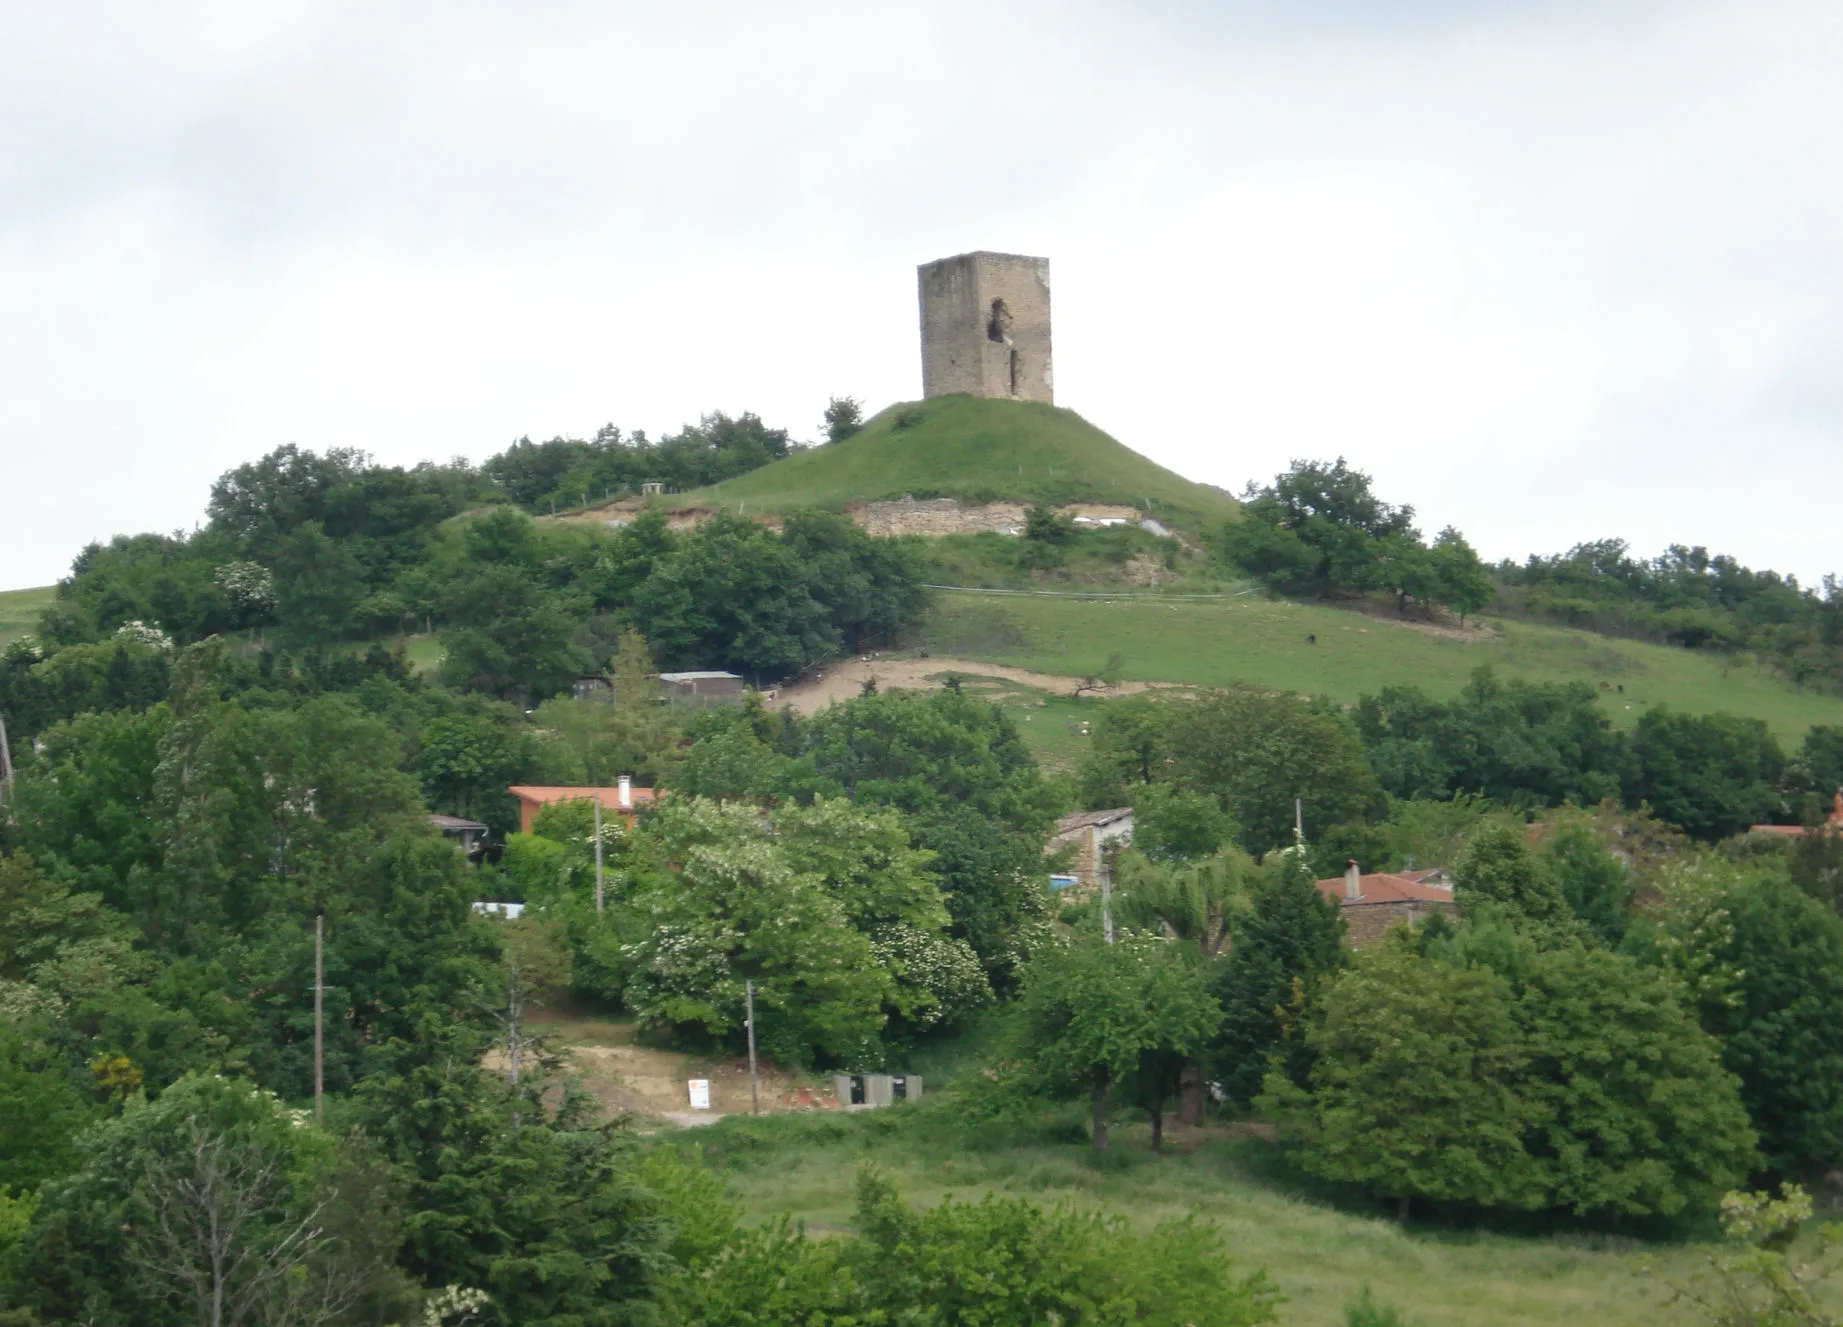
(978, 451)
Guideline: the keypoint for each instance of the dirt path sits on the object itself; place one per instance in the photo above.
(813, 691)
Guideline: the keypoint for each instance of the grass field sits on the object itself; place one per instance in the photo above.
(1319, 1253)
(1254, 639)
(19, 610)
(980, 451)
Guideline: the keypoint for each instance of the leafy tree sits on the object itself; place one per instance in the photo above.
(870, 589)
(733, 595)
(1634, 1112)
(1821, 757)
(43, 1108)
(1319, 527)
(1497, 869)
(213, 1204)
(1773, 1274)
(1459, 579)
(534, 1205)
(1512, 741)
(1411, 1091)
(1776, 1010)
(1712, 774)
(1178, 824)
(1286, 942)
(844, 417)
(1091, 1016)
(957, 765)
(1595, 883)
(997, 1261)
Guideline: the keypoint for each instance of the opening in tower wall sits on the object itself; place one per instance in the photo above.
(1014, 372)
(998, 326)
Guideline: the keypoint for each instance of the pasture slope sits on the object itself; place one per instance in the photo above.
(19, 610)
(1270, 643)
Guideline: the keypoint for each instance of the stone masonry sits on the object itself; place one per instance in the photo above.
(985, 327)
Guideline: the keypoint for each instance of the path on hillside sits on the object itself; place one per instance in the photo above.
(813, 691)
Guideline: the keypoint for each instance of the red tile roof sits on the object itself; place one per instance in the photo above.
(611, 797)
(1390, 887)
(1832, 825)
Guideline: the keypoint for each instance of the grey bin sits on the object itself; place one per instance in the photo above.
(875, 1089)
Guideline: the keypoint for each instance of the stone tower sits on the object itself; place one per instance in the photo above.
(985, 326)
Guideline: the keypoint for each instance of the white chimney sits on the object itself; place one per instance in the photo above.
(1353, 880)
(626, 798)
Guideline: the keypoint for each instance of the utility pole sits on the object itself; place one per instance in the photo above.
(1106, 898)
(6, 765)
(1298, 820)
(755, 1096)
(319, 1015)
(599, 896)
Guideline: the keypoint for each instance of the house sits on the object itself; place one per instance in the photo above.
(1373, 903)
(1090, 833)
(467, 835)
(622, 800)
(703, 688)
(1833, 824)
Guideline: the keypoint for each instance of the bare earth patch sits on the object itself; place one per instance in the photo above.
(842, 680)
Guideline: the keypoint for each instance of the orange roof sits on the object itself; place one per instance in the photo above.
(1833, 824)
(1390, 887)
(611, 797)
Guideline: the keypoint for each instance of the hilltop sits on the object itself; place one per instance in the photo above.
(978, 451)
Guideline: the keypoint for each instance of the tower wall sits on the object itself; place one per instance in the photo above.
(985, 326)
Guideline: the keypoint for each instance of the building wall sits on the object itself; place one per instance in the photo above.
(1366, 923)
(985, 327)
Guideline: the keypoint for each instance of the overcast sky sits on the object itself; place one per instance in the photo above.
(1549, 271)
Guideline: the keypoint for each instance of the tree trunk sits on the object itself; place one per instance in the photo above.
(1097, 1097)
(1158, 1128)
(1190, 1095)
(1404, 1206)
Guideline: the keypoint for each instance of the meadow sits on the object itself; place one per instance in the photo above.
(19, 610)
(1323, 651)
(1319, 1250)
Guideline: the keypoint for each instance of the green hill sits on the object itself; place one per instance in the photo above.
(979, 451)
(1263, 641)
(19, 610)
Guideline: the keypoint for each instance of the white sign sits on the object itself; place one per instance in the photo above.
(700, 1093)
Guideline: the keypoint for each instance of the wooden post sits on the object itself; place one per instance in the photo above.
(755, 1098)
(319, 1016)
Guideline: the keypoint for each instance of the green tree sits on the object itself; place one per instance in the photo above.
(733, 595)
(1595, 883)
(1460, 579)
(1258, 753)
(1777, 1012)
(1497, 869)
(1513, 741)
(213, 1205)
(844, 417)
(1634, 1113)
(1091, 1016)
(1285, 944)
(1411, 1091)
(1711, 774)
(528, 1201)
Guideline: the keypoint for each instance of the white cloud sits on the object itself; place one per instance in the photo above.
(1551, 272)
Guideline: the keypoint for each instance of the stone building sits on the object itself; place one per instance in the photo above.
(985, 326)
(1373, 903)
(1095, 836)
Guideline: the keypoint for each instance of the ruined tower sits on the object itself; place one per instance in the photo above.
(985, 326)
